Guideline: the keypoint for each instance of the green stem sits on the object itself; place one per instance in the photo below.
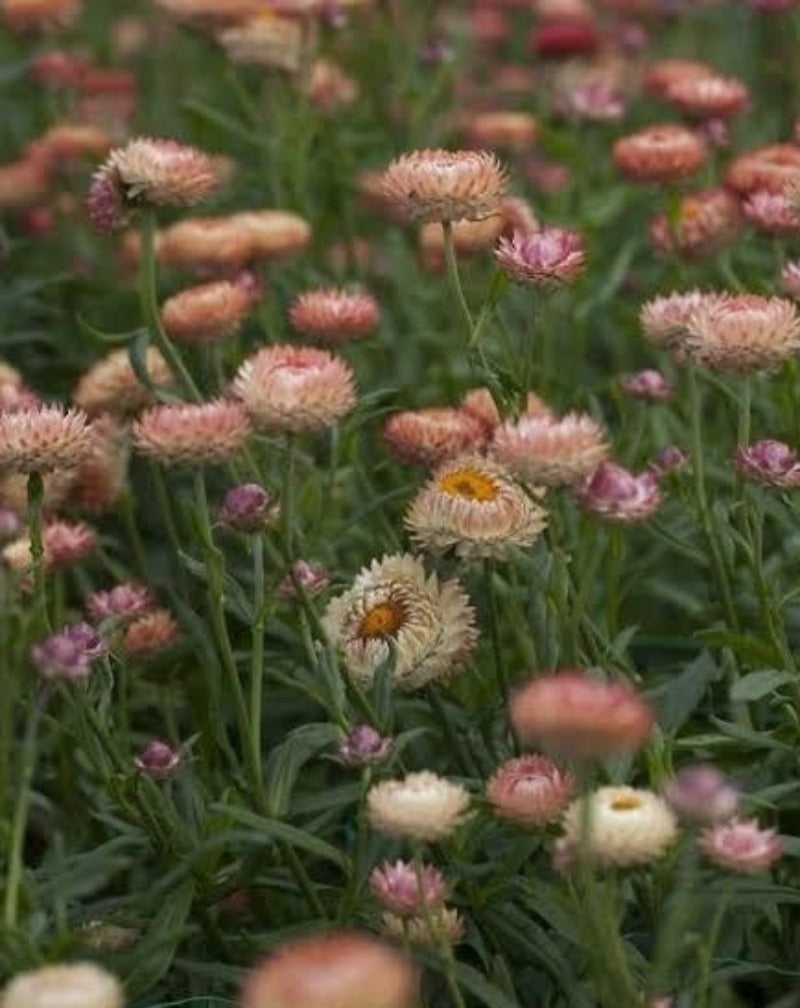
(676, 918)
(303, 881)
(35, 501)
(287, 501)
(494, 631)
(257, 657)
(443, 945)
(708, 948)
(127, 511)
(151, 314)
(20, 817)
(455, 279)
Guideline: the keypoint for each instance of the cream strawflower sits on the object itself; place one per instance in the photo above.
(421, 806)
(394, 609)
(43, 439)
(77, 985)
(543, 449)
(664, 319)
(111, 386)
(627, 826)
(473, 505)
(742, 333)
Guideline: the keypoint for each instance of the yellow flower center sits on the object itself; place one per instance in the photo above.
(626, 803)
(383, 620)
(469, 484)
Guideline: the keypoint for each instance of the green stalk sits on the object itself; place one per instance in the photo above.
(676, 918)
(708, 947)
(287, 501)
(455, 279)
(151, 313)
(443, 946)
(35, 501)
(257, 656)
(494, 631)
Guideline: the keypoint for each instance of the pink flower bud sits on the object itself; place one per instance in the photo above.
(364, 746)
(649, 385)
(398, 889)
(741, 846)
(771, 462)
(247, 508)
(158, 760)
(702, 795)
(313, 578)
(616, 495)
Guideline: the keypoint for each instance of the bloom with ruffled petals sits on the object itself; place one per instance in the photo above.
(705, 223)
(192, 434)
(333, 315)
(662, 154)
(65, 543)
(72, 985)
(617, 495)
(773, 463)
(442, 185)
(664, 319)
(427, 437)
(155, 631)
(288, 388)
(398, 888)
(708, 97)
(530, 791)
(546, 450)
(395, 611)
(111, 385)
(742, 333)
(43, 439)
(569, 713)
(741, 845)
(479, 402)
(122, 603)
(473, 505)
(772, 213)
(421, 806)
(769, 169)
(627, 826)
(207, 313)
(546, 258)
(649, 385)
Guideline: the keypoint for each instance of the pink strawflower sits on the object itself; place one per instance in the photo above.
(671, 458)
(576, 716)
(121, 603)
(772, 213)
(790, 278)
(771, 462)
(192, 434)
(332, 315)
(530, 791)
(596, 101)
(43, 439)
(616, 495)
(312, 577)
(649, 385)
(543, 449)
(248, 508)
(363, 747)
(426, 437)
(547, 258)
(398, 889)
(702, 795)
(158, 760)
(741, 846)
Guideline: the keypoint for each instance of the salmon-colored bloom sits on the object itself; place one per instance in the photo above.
(530, 791)
(769, 168)
(333, 315)
(43, 439)
(427, 437)
(111, 385)
(543, 449)
(192, 434)
(742, 333)
(207, 313)
(665, 153)
(705, 223)
(708, 97)
(155, 631)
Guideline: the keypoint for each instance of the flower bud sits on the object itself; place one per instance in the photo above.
(158, 760)
(702, 795)
(248, 508)
(364, 746)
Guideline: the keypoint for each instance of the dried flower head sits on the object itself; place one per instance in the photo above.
(530, 791)
(741, 846)
(158, 760)
(111, 384)
(772, 463)
(421, 806)
(339, 970)
(503, 129)
(546, 258)
(627, 826)
(665, 318)
(708, 97)
(427, 437)
(333, 315)
(444, 923)
(313, 578)
(480, 403)
(153, 632)
(287, 388)
(769, 169)
(122, 603)
(73, 985)
(772, 213)
(248, 508)
(265, 40)
(207, 313)
(396, 612)
(649, 385)
(702, 795)
(39, 15)
(192, 435)
(705, 223)
(570, 714)
(399, 889)
(474, 506)
(364, 747)
(665, 153)
(742, 333)
(614, 494)
(660, 76)
(543, 449)
(441, 185)
(43, 439)
(101, 478)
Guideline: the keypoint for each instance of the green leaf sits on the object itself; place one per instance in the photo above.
(486, 992)
(677, 700)
(105, 337)
(155, 951)
(287, 759)
(759, 684)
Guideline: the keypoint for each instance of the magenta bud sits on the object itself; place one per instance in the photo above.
(615, 494)
(364, 746)
(158, 760)
(248, 508)
(671, 458)
(770, 462)
(702, 795)
(649, 385)
(313, 578)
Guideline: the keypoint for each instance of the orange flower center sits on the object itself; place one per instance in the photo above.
(626, 803)
(383, 620)
(470, 485)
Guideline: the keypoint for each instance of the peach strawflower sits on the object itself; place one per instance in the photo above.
(72, 985)
(207, 313)
(150, 172)
(664, 319)
(503, 129)
(474, 506)
(708, 97)
(287, 388)
(790, 279)
(230, 243)
(741, 846)
(627, 826)
(742, 333)
(554, 452)
(65, 544)
(772, 463)
(614, 494)
(426, 437)
(396, 612)
(665, 153)
(447, 924)
(547, 258)
(273, 235)
(478, 402)
(705, 223)
(660, 76)
(36, 15)
(111, 386)
(265, 40)
(442, 185)
(421, 806)
(398, 888)
(344, 969)
(122, 603)
(530, 791)
(518, 216)
(192, 434)
(333, 315)
(571, 714)
(101, 478)
(68, 141)
(772, 213)
(43, 439)
(23, 183)
(329, 86)
(769, 169)
(155, 631)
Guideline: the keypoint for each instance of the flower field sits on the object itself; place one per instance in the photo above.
(399, 474)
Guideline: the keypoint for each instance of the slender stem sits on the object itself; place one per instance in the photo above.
(127, 511)
(20, 817)
(494, 631)
(257, 657)
(443, 945)
(745, 405)
(455, 280)
(303, 881)
(35, 500)
(709, 947)
(287, 500)
(151, 314)
(676, 917)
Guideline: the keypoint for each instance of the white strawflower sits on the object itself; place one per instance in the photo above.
(421, 806)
